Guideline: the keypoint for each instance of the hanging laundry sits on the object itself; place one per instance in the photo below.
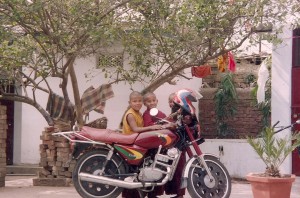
(201, 71)
(231, 62)
(94, 99)
(59, 109)
(222, 62)
(263, 75)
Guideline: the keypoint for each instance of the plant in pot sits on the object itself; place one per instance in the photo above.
(273, 151)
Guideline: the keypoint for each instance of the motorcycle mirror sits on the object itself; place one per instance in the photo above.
(153, 112)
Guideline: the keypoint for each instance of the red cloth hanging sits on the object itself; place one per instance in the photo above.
(201, 71)
(231, 62)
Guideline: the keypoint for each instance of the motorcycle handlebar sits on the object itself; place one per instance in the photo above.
(289, 126)
(276, 124)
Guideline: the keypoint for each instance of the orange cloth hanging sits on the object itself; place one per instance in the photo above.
(201, 71)
(222, 62)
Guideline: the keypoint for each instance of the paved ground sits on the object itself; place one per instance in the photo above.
(21, 186)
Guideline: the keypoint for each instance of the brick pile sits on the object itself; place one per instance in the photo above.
(3, 135)
(56, 160)
(56, 163)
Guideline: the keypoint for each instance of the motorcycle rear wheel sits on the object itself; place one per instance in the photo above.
(92, 162)
(199, 184)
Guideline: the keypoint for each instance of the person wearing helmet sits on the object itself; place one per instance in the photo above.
(184, 99)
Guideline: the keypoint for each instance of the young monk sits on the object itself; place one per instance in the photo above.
(150, 101)
(133, 120)
(173, 187)
(133, 123)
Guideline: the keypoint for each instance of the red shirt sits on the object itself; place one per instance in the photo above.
(151, 120)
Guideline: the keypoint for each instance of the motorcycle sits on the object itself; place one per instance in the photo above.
(108, 161)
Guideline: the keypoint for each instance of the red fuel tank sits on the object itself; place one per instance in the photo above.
(153, 139)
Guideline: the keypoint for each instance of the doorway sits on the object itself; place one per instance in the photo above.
(10, 130)
(296, 96)
(9, 88)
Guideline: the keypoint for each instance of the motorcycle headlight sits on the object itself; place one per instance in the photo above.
(172, 152)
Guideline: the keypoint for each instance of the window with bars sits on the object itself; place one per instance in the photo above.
(110, 60)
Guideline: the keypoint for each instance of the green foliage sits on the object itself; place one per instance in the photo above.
(273, 150)
(159, 39)
(225, 103)
(250, 78)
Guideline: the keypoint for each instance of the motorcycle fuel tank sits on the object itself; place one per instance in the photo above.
(153, 139)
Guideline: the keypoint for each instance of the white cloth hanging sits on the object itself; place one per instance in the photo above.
(263, 75)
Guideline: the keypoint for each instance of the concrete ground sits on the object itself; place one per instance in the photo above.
(21, 186)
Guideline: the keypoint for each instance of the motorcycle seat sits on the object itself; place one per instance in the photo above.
(107, 135)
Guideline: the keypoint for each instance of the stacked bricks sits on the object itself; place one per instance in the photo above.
(3, 135)
(56, 162)
(246, 122)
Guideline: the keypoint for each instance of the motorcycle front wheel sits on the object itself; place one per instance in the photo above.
(199, 183)
(92, 162)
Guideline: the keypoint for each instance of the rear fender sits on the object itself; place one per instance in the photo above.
(187, 168)
(81, 148)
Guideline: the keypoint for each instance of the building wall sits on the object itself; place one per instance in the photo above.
(281, 87)
(248, 119)
(246, 122)
(31, 123)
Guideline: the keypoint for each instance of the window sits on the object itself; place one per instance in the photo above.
(110, 60)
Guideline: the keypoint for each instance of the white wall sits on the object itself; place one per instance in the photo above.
(238, 156)
(29, 123)
(281, 87)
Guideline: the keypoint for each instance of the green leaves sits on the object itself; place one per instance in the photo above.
(160, 39)
(225, 103)
(274, 150)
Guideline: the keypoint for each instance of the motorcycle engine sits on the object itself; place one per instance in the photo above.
(148, 173)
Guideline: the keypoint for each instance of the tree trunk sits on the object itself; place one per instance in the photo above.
(78, 106)
(29, 101)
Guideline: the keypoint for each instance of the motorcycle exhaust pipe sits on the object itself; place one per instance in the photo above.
(120, 183)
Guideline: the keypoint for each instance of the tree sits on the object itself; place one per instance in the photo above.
(175, 35)
(43, 38)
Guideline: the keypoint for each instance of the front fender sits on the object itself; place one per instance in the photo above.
(188, 166)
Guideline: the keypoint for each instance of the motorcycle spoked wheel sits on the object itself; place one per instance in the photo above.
(199, 184)
(92, 162)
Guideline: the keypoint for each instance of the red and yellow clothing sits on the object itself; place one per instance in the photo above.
(138, 119)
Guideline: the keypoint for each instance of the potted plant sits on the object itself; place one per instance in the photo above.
(273, 151)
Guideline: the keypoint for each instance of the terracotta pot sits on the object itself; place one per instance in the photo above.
(270, 187)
